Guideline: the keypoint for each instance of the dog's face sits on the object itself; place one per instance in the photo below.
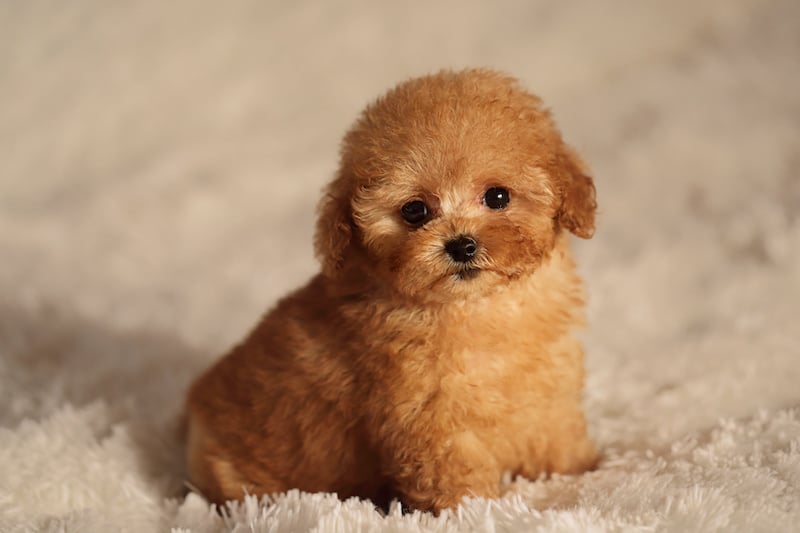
(450, 186)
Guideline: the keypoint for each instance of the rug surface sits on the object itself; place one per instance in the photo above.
(159, 168)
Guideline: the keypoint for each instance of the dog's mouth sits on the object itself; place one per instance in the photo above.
(467, 273)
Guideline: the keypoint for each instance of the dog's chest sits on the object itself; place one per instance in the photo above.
(483, 367)
(475, 365)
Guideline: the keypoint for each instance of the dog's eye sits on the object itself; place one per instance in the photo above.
(415, 212)
(496, 198)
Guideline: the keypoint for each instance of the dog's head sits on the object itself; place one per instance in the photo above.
(449, 185)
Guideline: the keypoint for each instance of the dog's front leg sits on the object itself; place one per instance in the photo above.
(565, 449)
(434, 472)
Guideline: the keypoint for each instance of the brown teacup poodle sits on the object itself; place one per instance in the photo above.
(434, 351)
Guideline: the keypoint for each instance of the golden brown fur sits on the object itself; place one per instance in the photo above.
(393, 372)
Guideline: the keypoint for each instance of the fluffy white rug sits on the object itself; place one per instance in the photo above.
(159, 166)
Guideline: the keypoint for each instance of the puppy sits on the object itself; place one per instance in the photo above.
(434, 350)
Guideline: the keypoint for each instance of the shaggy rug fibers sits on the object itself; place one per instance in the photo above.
(159, 167)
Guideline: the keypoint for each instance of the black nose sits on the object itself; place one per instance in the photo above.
(461, 249)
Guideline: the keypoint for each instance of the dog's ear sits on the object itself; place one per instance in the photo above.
(335, 226)
(578, 196)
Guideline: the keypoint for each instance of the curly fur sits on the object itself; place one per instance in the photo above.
(390, 373)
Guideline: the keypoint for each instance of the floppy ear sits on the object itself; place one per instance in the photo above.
(578, 196)
(334, 227)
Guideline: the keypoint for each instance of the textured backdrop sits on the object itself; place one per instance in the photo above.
(159, 167)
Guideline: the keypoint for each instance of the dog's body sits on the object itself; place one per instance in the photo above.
(431, 354)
